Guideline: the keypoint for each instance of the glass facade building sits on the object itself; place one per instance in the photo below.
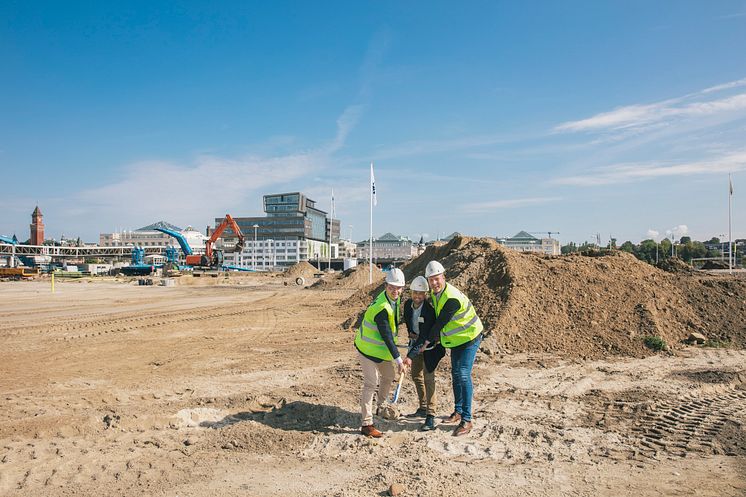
(293, 229)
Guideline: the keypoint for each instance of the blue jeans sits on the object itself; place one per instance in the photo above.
(462, 362)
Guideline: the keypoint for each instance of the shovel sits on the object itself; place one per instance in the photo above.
(389, 411)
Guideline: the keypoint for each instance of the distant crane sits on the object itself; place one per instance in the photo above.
(549, 233)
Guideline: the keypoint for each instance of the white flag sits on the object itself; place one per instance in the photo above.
(373, 185)
(332, 203)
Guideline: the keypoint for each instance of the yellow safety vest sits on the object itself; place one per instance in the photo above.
(464, 326)
(368, 339)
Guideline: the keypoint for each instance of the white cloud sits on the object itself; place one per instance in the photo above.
(508, 204)
(677, 231)
(635, 116)
(653, 234)
(624, 173)
(726, 86)
(196, 193)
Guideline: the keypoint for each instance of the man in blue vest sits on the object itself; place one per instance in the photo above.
(375, 342)
(460, 330)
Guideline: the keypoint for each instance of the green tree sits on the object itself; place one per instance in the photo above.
(685, 239)
(665, 248)
(646, 251)
(628, 247)
(569, 248)
(692, 250)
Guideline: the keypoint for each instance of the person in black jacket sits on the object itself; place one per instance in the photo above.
(419, 317)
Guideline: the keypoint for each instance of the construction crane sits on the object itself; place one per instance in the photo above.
(214, 258)
(179, 238)
(549, 233)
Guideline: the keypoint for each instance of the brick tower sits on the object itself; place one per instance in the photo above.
(37, 227)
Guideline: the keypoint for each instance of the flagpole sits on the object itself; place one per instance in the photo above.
(331, 226)
(370, 240)
(730, 237)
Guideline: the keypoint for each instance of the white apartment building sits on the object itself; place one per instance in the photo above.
(525, 242)
(347, 249)
(266, 254)
(388, 246)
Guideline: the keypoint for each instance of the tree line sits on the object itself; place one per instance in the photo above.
(652, 251)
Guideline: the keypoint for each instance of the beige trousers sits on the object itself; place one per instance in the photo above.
(424, 382)
(377, 376)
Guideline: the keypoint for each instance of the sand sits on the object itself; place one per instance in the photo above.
(251, 388)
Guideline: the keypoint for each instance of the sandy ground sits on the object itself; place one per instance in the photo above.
(249, 387)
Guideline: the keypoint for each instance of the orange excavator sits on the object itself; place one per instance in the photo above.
(214, 258)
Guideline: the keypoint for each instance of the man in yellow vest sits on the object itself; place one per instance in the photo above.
(460, 331)
(375, 342)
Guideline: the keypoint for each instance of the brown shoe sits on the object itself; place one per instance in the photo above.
(371, 432)
(462, 429)
(452, 419)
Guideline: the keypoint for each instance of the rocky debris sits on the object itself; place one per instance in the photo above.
(302, 269)
(396, 489)
(578, 305)
(715, 265)
(389, 412)
(355, 277)
(695, 337)
(674, 265)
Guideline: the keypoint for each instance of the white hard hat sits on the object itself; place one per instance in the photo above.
(434, 268)
(419, 284)
(395, 277)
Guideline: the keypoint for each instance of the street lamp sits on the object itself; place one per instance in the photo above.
(254, 251)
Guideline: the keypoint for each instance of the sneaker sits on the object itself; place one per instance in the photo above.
(462, 429)
(452, 419)
(371, 432)
(419, 413)
(429, 423)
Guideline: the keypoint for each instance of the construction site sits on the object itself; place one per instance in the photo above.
(599, 374)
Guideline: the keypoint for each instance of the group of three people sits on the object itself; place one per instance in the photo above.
(438, 317)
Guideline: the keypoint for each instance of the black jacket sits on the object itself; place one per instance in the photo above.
(427, 319)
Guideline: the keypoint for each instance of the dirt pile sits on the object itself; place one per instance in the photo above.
(301, 270)
(580, 305)
(674, 265)
(355, 277)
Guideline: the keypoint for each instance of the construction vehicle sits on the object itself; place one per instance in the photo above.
(179, 238)
(18, 273)
(212, 258)
(137, 266)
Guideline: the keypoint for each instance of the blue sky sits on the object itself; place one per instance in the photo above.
(486, 117)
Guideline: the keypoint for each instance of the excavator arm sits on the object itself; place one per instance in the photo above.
(228, 222)
(212, 258)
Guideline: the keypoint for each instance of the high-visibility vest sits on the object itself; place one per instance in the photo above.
(464, 326)
(368, 339)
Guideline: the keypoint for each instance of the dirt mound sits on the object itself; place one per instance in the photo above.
(302, 269)
(355, 277)
(580, 305)
(674, 265)
(715, 265)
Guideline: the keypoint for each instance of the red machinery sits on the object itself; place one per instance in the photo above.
(211, 257)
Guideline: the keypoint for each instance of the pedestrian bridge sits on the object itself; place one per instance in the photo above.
(9, 249)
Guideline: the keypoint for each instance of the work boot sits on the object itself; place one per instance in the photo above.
(371, 432)
(462, 429)
(429, 423)
(419, 413)
(452, 419)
